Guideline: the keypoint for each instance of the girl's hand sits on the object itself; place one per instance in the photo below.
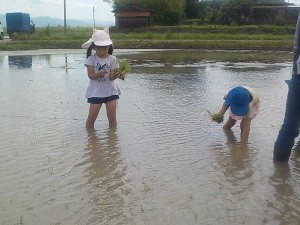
(93, 75)
(100, 74)
(120, 75)
(114, 74)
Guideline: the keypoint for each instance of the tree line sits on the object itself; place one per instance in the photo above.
(226, 12)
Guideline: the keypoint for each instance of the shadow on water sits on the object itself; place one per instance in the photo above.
(105, 175)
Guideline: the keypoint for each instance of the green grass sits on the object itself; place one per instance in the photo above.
(186, 37)
(199, 36)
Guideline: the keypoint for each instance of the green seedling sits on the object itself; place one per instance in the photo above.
(124, 68)
(216, 117)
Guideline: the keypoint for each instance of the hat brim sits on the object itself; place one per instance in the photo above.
(97, 43)
(238, 110)
(87, 43)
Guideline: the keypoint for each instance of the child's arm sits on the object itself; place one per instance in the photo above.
(115, 70)
(218, 117)
(92, 75)
(223, 109)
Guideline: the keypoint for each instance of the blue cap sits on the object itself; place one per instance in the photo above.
(238, 100)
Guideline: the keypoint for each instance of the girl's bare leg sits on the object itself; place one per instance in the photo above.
(111, 111)
(93, 114)
(245, 129)
(229, 124)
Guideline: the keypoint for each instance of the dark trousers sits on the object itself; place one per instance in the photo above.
(290, 127)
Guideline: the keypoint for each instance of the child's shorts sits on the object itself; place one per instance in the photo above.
(96, 100)
(254, 111)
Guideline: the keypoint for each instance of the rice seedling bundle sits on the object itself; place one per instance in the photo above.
(124, 68)
(216, 117)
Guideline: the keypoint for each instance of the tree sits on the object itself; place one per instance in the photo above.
(166, 12)
(192, 9)
(235, 11)
(264, 14)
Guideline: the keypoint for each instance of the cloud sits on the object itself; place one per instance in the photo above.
(75, 9)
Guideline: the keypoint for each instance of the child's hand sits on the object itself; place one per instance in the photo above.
(120, 75)
(100, 74)
(216, 117)
(114, 74)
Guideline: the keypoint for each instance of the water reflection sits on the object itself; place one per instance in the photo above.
(105, 175)
(285, 180)
(237, 167)
(66, 63)
(252, 68)
(20, 61)
(1, 59)
(55, 62)
(104, 157)
(236, 182)
(296, 156)
(163, 126)
(194, 56)
(286, 203)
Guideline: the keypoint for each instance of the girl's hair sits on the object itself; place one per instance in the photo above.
(92, 46)
(110, 49)
(89, 50)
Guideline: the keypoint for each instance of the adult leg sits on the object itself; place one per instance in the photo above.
(93, 114)
(229, 124)
(111, 111)
(290, 127)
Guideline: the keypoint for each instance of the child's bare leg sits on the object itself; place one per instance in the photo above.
(93, 114)
(245, 129)
(111, 111)
(229, 124)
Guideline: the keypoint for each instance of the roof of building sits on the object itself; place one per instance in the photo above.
(132, 7)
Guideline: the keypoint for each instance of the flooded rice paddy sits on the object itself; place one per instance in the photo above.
(165, 163)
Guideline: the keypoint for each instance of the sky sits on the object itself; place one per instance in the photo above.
(296, 2)
(75, 9)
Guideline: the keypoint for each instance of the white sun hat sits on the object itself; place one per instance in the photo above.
(99, 38)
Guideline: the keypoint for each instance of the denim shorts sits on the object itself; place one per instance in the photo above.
(96, 100)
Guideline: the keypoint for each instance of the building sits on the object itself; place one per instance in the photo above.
(133, 16)
(283, 11)
(271, 2)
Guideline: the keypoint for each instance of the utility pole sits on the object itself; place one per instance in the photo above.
(65, 16)
(94, 15)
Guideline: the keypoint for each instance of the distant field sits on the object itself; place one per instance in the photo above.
(185, 37)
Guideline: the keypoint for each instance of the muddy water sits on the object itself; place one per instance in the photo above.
(166, 163)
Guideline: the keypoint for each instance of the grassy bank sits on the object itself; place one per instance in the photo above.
(183, 37)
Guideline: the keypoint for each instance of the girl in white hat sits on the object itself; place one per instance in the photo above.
(102, 70)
